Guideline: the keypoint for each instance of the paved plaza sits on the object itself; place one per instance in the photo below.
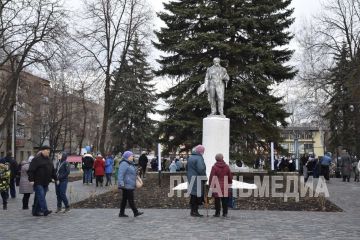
(177, 224)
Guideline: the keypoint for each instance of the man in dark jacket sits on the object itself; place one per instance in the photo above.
(143, 161)
(88, 163)
(62, 174)
(13, 166)
(196, 172)
(41, 172)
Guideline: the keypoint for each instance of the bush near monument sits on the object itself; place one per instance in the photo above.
(151, 195)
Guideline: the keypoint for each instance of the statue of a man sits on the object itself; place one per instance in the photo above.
(215, 81)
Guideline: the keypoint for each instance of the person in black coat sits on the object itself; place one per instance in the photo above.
(41, 172)
(143, 161)
(14, 167)
(87, 166)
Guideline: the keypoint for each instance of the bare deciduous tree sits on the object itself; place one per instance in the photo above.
(321, 41)
(31, 32)
(108, 29)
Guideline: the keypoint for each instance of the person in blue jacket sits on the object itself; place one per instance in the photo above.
(196, 174)
(109, 163)
(62, 175)
(325, 164)
(127, 183)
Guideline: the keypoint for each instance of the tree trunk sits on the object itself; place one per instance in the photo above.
(107, 103)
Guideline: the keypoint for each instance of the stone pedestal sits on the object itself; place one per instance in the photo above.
(216, 139)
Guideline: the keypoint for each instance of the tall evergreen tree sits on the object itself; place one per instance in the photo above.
(133, 99)
(251, 38)
(344, 104)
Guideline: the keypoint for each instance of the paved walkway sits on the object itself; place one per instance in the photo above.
(177, 224)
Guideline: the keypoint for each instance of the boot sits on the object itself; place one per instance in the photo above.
(216, 214)
(58, 210)
(5, 207)
(196, 214)
(138, 214)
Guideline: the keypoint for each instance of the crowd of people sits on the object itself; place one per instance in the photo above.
(343, 166)
(37, 172)
(34, 176)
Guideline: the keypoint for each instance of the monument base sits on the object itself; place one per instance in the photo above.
(216, 139)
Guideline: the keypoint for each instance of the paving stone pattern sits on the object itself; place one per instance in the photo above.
(177, 224)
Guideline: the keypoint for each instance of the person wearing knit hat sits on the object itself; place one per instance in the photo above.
(219, 181)
(196, 171)
(127, 154)
(127, 175)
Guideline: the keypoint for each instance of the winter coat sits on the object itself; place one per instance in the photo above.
(4, 177)
(143, 161)
(41, 170)
(220, 179)
(196, 171)
(326, 160)
(116, 165)
(87, 161)
(346, 165)
(178, 165)
(13, 166)
(173, 167)
(127, 175)
(99, 166)
(62, 170)
(25, 186)
(109, 164)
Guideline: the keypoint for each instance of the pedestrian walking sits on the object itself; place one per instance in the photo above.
(62, 175)
(4, 183)
(25, 187)
(13, 167)
(127, 183)
(41, 172)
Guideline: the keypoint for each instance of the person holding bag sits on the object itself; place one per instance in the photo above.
(127, 182)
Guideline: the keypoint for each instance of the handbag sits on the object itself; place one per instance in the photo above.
(139, 182)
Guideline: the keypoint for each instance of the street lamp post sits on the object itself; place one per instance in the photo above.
(97, 137)
(14, 122)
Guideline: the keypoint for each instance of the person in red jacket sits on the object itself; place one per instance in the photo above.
(99, 166)
(220, 180)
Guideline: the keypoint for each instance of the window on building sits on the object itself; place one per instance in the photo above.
(307, 135)
(291, 148)
(308, 147)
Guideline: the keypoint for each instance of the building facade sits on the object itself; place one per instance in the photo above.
(59, 117)
(305, 140)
